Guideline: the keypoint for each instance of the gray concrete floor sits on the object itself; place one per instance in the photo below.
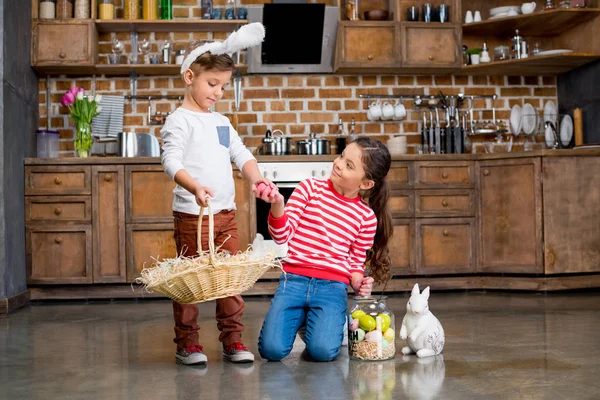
(498, 346)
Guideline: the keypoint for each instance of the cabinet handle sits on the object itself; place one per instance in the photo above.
(445, 175)
(108, 178)
(431, 58)
(445, 203)
(58, 181)
(370, 57)
(551, 257)
(486, 172)
(57, 211)
(240, 175)
(62, 54)
(58, 240)
(445, 232)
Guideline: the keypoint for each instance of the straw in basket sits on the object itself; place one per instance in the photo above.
(212, 275)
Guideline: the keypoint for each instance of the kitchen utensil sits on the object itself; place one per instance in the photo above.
(444, 13)
(517, 41)
(313, 146)
(431, 133)
(438, 143)
(428, 12)
(412, 14)
(132, 144)
(501, 53)
(274, 145)
(377, 15)
(566, 130)
(549, 5)
(528, 8)
(424, 141)
(578, 126)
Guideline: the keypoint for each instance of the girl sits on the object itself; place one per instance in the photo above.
(332, 233)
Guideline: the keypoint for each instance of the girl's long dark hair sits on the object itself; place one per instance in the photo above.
(377, 162)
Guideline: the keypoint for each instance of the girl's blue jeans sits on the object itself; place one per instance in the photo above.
(299, 300)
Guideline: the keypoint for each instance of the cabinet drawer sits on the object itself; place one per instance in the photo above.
(57, 180)
(58, 208)
(400, 175)
(444, 175)
(63, 43)
(445, 246)
(444, 203)
(149, 194)
(401, 203)
(367, 45)
(430, 47)
(59, 254)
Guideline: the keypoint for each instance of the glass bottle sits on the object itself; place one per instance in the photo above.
(64, 9)
(166, 9)
(207, 8)
(352, 10)
(230, 9)
(340, 140)
(352, 133)
(132, 9)
(150, 9)
(106, 9)
(47, 9)
(371, 329)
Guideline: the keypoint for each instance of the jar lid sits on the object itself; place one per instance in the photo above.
(47, 132)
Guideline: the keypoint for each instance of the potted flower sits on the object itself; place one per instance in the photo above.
(83, 110)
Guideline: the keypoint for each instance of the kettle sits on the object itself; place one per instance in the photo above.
(276, 145)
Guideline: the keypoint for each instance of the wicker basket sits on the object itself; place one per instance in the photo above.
(211, 275)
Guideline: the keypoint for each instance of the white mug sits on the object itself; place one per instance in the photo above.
(477, 17)
(374, 112)
(528, 8)
(469, 17)
(387, 111)
(399, 111)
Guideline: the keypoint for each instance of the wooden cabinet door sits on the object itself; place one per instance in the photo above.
(145, 243)
(59, 253)
(149, 194)
(400, 175)
(445, 245)
(366, 45)
(245, 215)
(571, 214)
(108, 194)
(401, 247)
(427, 46)
(63, 42)
(510, 216)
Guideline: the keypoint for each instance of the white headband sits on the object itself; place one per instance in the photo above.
(247, 36)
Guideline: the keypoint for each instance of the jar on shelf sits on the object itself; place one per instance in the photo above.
(179, 57)
(82, 9)
(131, 9)
(47, 9)
(106, 9)
(501, 53)
(64, 9)
(166, 9)
(371, 329)
(352, 10)
(150, 9)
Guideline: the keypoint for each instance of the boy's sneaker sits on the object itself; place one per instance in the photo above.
(237, 353)
(191, 355)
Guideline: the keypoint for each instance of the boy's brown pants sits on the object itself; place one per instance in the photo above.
(230, 309)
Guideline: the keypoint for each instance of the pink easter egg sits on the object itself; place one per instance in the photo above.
(353, 325)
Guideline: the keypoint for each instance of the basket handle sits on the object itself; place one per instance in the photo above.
(211, 230)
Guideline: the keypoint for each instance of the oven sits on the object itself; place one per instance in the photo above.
(286, 175)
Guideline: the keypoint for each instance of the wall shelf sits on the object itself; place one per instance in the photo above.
(120, 69)
(541, 23)
(532, 66)
(175, 25)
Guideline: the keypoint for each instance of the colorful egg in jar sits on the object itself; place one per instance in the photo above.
(371, 328)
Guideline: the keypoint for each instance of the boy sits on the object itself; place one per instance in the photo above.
(199, 146)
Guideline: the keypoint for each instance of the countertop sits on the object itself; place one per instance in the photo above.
(296, 158)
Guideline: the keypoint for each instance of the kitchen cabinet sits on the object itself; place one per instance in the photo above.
(368, 45)
(571, 237)
(510, 216)
(445, 245)
(427, 47)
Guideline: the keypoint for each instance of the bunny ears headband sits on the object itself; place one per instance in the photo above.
(247, 36)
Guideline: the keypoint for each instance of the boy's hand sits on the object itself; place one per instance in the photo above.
(362, 286)
(267, 191)
(201, 193)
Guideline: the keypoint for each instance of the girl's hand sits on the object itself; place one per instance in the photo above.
(267, 191)
(202, 193)
(362, 286)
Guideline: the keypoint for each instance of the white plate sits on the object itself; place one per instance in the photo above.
(505, 9)
(550, 112)
(528, 119)
(501, 15)
(566, 130)
(515, 120)
(550, 52)
(549, 136)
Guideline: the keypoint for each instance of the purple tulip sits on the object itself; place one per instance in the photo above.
(74, 90)
(68, 99)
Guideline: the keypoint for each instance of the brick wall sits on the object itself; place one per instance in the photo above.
(296, 104)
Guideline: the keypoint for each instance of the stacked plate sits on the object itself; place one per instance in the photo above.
(506, 11)
(397, 145)
(529, 119)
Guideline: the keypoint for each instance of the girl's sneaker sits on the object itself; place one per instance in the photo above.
(237, 353)
(191, 355)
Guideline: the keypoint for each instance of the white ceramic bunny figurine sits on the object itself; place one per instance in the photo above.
(422, 329)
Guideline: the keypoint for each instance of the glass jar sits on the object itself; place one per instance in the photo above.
(131, 9)
(352, 10)
(82, 9)
(47, 9)
(166, 9)
(64, 9)
(371, 329)
(106, 9)
(150, 9)
(180, 57)
(501, 53)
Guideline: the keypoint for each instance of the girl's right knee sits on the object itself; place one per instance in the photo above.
(272, 351)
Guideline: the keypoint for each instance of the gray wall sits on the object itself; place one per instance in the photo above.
(580, 88)
(18, 122)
